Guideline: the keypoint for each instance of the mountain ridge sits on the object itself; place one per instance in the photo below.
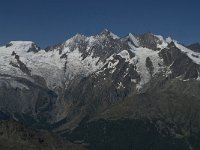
(82, 80)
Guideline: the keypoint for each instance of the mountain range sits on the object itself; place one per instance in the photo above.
(136, 92)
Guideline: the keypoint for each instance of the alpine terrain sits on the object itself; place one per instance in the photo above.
(103, 92)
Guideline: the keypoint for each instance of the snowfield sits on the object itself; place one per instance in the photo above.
(57, 70)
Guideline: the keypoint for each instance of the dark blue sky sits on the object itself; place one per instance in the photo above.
(47, 22)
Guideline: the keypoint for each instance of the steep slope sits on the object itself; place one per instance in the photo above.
(55, 67)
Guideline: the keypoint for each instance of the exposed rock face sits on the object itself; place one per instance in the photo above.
(180, 64)
(149, 40)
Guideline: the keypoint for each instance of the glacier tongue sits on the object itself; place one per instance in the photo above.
(140, 60)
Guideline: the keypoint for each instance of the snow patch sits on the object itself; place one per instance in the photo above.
(120, 85)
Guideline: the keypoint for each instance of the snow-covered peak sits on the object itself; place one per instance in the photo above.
(114, 36)
(22, 46)
(169, 40)
(106, 32)
(81, 56)
(76, 38)
(21, 42)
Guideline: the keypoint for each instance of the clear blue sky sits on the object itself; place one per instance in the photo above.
(47, 22)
